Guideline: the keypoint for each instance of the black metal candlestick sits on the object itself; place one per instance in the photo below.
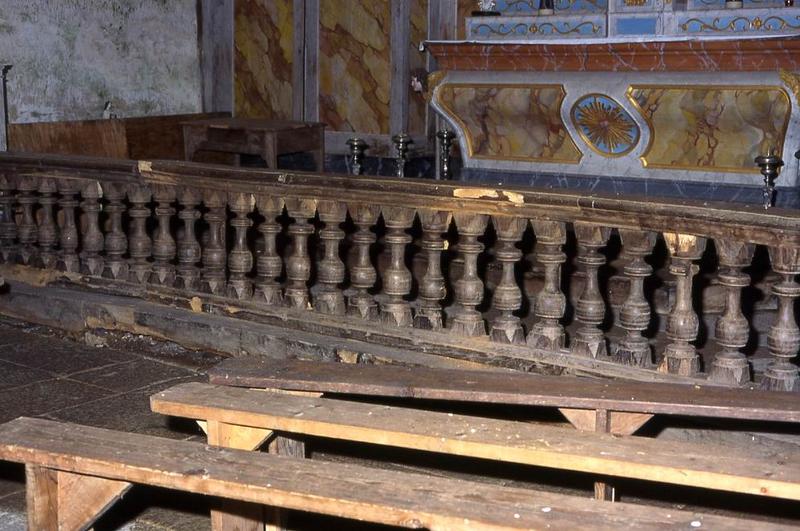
(445, 143)
(401, 143)
(357, 148)
(770, 166)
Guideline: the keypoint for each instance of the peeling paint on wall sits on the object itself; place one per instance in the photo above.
(71, 56)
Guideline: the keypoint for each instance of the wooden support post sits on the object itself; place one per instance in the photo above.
(235, 515)
(604, 421)
(59, 500)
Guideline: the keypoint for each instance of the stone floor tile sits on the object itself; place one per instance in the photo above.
(46, 396)
(14, 336)
(13, 375)
(61, 357)
(131, 412)
(125, 377)
(152, 509)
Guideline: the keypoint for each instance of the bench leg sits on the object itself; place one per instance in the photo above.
(603, 421)
(62, 500)
(236, 515)
(282, 445)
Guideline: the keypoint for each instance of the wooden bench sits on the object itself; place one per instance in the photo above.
(596, 405)
(709, 466)
(75, 473)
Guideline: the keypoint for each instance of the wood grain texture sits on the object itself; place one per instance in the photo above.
(769, 474)
(508, 388)
(394, 498)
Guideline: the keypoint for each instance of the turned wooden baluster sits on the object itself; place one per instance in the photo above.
(363, 275)
(468, 290)
(92, 240)
(330, 269)
(680, 356)
(634, 316)
(506, 327)
(548, 333)
(48, 230)
(783, 339)
(396, 278)
(68, 257)
(240, 259)
(213, 252)
(27, 231)
(188, 275)
(298, 264)
(8, 225)
(268, 262)
(116, 243)
(732, 331)
(164, 247)
(590, 309)
(139, 244)
(432, 289)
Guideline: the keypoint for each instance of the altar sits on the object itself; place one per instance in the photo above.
(658, 99)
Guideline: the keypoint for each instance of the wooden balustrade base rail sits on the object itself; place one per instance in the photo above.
(77, 303)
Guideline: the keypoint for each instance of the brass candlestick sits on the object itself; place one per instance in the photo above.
(357, 148)
(770, 166)
(445, 143)
(401, 143)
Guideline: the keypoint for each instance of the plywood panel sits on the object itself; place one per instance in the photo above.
(264, 36)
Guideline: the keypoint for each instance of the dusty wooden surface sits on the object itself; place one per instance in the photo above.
(699, 465)
(380, 496)
(508, 388)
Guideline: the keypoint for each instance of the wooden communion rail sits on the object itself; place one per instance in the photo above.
(299, 250)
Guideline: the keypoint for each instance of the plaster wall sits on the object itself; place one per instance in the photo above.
(71, 56)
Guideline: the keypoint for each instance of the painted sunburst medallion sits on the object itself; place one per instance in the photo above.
(605, 125)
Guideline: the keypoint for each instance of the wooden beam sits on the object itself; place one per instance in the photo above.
(311, 61)
(216, 36)
(236, 515)
(399, 37)
(41, 497)
(298, 58)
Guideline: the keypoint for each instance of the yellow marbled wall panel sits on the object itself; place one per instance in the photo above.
(263, 64)
(416, 61)
(511, 122)
(354, 65)
(707, 127)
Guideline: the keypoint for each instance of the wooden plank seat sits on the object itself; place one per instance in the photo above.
(619, 407)
(74, 473)
(689, 464)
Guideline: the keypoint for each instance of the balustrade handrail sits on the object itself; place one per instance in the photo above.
(185, 229)
(744, 222)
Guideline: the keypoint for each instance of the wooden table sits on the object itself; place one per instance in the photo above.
(250, 136)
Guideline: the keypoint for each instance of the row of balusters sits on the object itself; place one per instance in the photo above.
(76, 241)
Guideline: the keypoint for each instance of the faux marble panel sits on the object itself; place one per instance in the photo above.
(510, 122)
(355, 65)
(263, 63)
(701, 128)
